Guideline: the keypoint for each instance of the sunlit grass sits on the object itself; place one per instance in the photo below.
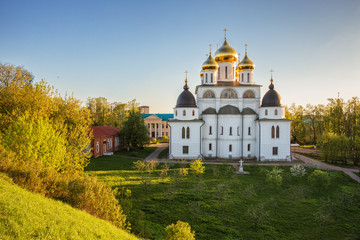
(196, 200)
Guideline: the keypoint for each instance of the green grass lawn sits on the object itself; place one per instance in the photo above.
(164, 153)
(218, 204)
(25, 215)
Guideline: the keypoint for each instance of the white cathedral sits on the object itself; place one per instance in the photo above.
(229, 120)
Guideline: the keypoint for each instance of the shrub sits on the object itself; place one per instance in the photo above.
(197, 167)
(180, 230)
(297, 170)
(319, 179)
(183, 171)
(134, 154)
(78, 190)
(257, 214)
(275, 176)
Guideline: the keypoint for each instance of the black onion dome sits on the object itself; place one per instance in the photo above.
(271, 98)
(186, 98)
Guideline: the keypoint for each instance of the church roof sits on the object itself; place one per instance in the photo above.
(186, 98)
(271, 97)
(248, 111)
(209, 111)
(229, 109)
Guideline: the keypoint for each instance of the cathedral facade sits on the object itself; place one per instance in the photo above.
(229, 119)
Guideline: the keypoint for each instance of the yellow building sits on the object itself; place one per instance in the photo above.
(158, 124)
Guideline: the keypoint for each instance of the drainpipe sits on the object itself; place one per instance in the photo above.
(259, 140)
(217, 133)
(242, 136)
(201, 139)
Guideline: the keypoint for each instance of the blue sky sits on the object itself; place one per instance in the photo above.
(125, 50)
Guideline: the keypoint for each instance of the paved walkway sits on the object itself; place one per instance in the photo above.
(324, 166)
(306, 161)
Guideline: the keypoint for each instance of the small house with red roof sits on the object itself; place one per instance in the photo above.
(105, 140)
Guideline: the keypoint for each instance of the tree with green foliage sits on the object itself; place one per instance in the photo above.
(297, 170)
(274, 176)
(319, 180)
(9, 74)
(197, 167)
(180, 230)
(257, 214)
(133, 130)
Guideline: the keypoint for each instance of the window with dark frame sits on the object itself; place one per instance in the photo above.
(226, 72)
(210, 130)
(277, 132)
(249, 147)
(249, 131)
(185, 149)
(275, 151)
(272, 132)
(183, 133)
(187, 132)
(230, 131)
(230, 148)
(210, 146)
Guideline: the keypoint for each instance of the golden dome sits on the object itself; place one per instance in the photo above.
(246, 64)
(210, 64)
(226, 53)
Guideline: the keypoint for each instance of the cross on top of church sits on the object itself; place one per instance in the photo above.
(186, 72)
(225, 32)
(210, 48)
(271, 72)
(245, 49)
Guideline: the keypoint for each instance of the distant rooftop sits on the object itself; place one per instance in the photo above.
(163, 116)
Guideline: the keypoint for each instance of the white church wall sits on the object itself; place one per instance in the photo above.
(179, 113)
(227, 137)
(177, 142)
(268, 143)
(249, 122)
(271, 112)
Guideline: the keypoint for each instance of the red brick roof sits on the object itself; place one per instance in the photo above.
(102, 131)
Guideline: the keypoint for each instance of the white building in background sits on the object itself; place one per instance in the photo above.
(229, 119)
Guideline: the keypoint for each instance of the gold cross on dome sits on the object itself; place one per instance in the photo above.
(186, 72)
(245, 49)
(271, 71)
(225, 32)
(210, 48)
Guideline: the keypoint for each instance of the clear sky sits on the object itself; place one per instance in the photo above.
(125, 50)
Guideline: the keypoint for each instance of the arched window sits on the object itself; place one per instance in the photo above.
(272, 132)
(228, 93)
(97, 147)
(193, 112)
(183, 133)
(209, 94)
(249, 94)
(212, 78)
(266, 112)
(276, 112)
(219, 73)
(249, 131)
(230, 131)
(206, 77)
(277, 132)
(248, 77)
(188, 132)
(225, 72)
(184, 113)
(176, 113)
(222, 130)
(210, 130)
(242, 77)
(230, 147)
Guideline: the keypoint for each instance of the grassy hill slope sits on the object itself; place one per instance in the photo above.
(25, 215)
